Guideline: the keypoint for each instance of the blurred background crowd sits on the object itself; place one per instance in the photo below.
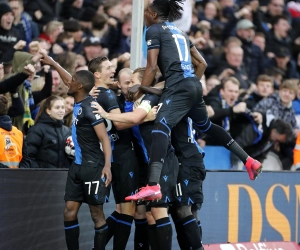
(251, 85)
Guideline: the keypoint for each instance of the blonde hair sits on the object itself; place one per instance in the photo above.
(52, 26)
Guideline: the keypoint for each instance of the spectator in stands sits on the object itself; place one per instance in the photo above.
(9, 35)
(264, 19)
(116, 15)
(27, 28)
(99, 25)
(284, 61)
(280, 104)
(253, 55)
(68, 61)
(219, 55)
(55, 80)
(259, 143)
(66, 41)
(30, 98)
(73, 27)
(46, 140)
(13, 149)
(93, 47)
(52, 30)
(278, 36)
(223, 100)
(69, 106)
(264, 88)
(85, 20)
(260, 40)
(211, 13)
(72, 9)
(234, 67)
(212, 82)
(42, 11)
(124, 42)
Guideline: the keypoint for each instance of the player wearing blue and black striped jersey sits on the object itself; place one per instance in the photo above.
(90, 174)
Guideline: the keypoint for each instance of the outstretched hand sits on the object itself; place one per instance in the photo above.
(29, 69)
(48, 60)
(99, 110)
(151, 116)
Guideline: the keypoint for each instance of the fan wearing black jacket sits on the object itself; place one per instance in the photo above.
(46, 139)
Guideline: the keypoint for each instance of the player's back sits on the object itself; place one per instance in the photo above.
(174, 59)
(86, 142)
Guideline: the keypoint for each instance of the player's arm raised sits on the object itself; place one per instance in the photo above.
(198, 62)
(151, 67)
(103, 137)
(48, 60)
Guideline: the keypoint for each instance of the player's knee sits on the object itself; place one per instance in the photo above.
(159, 212)
(140, 212)
(203, 126)
(97, 213)
(70, 215)
(183, 211)
(150, 218)
(128, 208)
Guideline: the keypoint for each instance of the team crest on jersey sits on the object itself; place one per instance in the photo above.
(98, 116)
(149, 42)
(79, 111)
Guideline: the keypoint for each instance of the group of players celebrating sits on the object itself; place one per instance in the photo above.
(146, 139)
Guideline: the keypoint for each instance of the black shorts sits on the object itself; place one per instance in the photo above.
(84, 184)
(168, 179)
(180, 100)
(125, 177)
(189, 182)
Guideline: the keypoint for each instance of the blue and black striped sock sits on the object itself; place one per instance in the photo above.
(191, 231)
(164, 233)
(100, 237)
(111, 222)
(122, 231)
(72, 234)
(141, 241)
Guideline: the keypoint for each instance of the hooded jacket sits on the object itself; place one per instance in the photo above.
(46, 143)
(8, 38)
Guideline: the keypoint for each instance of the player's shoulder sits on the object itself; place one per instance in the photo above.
(106, 93)
(152, 99)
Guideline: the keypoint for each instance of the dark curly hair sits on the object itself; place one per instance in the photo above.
(168, 9)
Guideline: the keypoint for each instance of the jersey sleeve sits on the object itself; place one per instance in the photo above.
(108, 100)
(153, 38)
(94, 119)
(150, 99)
(191, 44)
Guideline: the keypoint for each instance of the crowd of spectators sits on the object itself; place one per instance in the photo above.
(251, 84)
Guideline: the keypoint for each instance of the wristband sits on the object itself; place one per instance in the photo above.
(145, 105)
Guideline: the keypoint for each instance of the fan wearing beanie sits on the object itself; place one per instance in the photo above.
(8, 34)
